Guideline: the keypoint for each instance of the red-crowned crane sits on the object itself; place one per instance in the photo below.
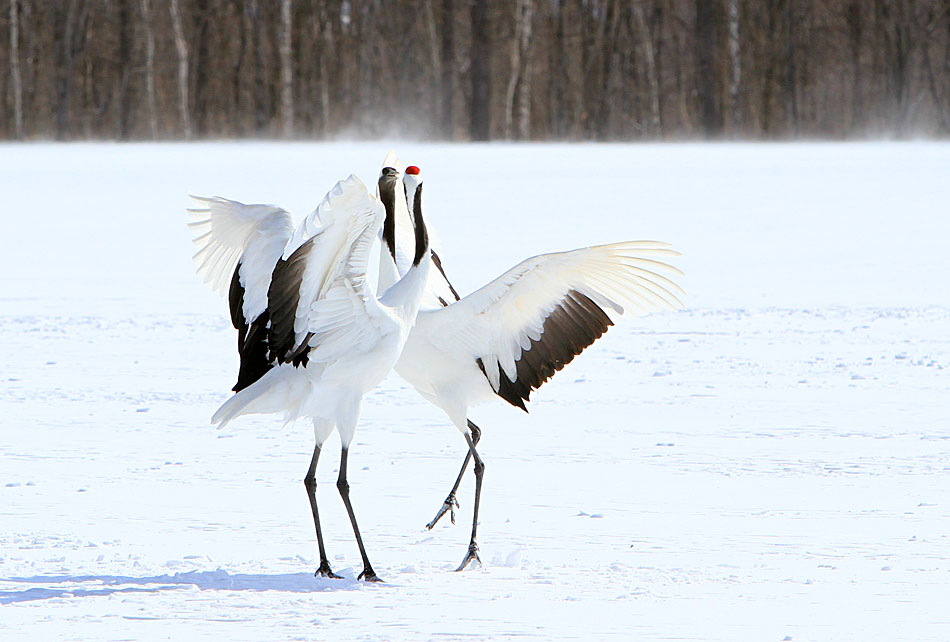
(313, 337)
(510, 336)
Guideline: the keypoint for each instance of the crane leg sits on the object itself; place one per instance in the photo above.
(343, 486)
(451, 503)
(472, 554)
(310, 481)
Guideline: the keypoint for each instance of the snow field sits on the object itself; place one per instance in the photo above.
(768, 464)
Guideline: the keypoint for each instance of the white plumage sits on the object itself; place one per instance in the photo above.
(438, 289)
(511, 335)
(505, 339)
(226, 232)
(498, 322)
(329, 339)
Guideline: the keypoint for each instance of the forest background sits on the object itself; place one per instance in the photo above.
(573, 70)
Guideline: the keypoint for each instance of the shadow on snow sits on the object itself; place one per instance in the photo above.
(205, 580)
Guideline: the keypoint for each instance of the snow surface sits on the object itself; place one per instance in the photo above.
(772, 463)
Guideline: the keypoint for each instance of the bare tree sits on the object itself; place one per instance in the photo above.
(480, 71)
(286, 70)
(524, 91)
(449, 70)
(790, 93)
(570, 98)
(124, 69)
(435, 60)
(770, 65)
(653, 82)
(256, 25)
(893, 23)
(328, 49)
(149, 69)
(735, 66)
(926, 34)
(68, 49)
(613, 113)
(200, 69)
(237, 67)
(706, 68)
(15, 78)
(855, 24)
(181, 46)
(561, 69)
(515, 66)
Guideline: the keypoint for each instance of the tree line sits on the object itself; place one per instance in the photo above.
(474, 69)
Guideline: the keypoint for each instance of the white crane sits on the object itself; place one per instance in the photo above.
(513, 334)
(313, 338)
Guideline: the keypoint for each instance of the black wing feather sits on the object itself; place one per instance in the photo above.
(253, 339)
(573, 325)
(283, 296)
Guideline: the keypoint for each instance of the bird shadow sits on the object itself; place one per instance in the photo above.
(64, 586)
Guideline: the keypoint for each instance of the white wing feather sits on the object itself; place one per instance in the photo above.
(226, 232)
(336, 311)
(497, 322)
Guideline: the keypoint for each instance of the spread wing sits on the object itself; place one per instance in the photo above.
(228, 233)
(535, 318)
(238, 247)
(320, 304)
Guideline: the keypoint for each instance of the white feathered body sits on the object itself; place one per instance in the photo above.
(511, 335)
(465, 353)
(330, 394)
(351, 338)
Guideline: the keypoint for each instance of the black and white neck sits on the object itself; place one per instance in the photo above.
(405, 295)
(388, 178)
(412, 183)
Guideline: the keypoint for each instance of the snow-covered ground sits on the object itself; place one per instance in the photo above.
(772, 463)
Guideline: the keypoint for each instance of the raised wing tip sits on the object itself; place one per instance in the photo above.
(643, 249)
(665, 251)
(645, 245)
(353, 179)
(392, 160)
(209, 201)
(347, 193)
(348, 185)
(664, 266)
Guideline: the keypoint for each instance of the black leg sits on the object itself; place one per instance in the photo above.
(451, 503)
(310, 481)
(368, 573)
(479, 471)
